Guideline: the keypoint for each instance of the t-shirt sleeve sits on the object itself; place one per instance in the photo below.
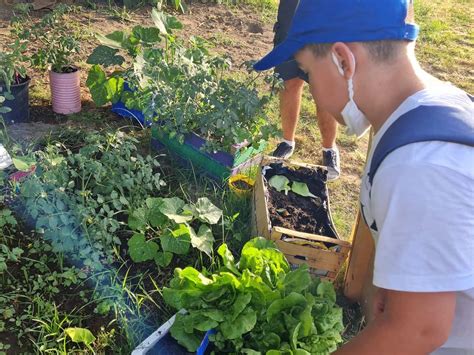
(425, 216)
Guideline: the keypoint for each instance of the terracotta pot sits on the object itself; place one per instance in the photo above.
(65, 92)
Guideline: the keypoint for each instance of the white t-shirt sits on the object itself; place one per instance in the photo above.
(422, 201)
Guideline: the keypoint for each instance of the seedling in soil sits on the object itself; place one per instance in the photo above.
(306, 208)
(282, 183)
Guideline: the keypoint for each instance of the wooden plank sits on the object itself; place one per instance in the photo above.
(270, 160)
(313, 269)
(360, 261)
(309, 236)
(261, 211)
(316, 258)
(358, 278)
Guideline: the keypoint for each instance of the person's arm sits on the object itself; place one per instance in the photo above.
(407, 323)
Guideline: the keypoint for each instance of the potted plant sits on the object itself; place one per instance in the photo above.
(14, 84)
(58, 42)
(216, 122)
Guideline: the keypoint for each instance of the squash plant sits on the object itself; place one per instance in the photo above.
(163, 227)
(179, 84)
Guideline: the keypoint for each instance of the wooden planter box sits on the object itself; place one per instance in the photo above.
(297, 246)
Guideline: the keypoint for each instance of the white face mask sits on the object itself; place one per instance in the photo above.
(356, 122)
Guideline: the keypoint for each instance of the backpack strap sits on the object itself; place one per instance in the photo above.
(423, 124)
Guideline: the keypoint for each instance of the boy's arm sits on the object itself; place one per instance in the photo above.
(409, 323)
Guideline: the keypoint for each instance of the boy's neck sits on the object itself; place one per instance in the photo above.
(390, 86)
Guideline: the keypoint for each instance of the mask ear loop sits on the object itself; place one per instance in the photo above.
(339, 68)
(341, 71)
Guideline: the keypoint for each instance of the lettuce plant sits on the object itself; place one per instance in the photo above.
(256, 306)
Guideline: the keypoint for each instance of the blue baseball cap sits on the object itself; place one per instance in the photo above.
(330, 21)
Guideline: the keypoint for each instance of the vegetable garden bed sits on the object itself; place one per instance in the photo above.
(301, 226)
(219, 165)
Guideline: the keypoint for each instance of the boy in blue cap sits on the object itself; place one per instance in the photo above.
(417, 193)
(290, 100)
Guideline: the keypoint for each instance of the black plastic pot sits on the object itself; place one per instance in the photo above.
(20, 108)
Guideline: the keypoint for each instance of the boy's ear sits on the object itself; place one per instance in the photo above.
(346, 59)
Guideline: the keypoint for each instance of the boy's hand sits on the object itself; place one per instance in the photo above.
(405, 323)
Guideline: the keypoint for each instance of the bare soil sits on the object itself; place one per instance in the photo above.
(302, 214)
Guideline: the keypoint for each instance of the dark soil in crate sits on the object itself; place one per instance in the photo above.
(302, 214)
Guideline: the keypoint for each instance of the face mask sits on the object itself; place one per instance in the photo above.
(356, 122)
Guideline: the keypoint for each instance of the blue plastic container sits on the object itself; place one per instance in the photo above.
(160, 342)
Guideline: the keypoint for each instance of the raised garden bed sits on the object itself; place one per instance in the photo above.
(219, 165)
(301, 227)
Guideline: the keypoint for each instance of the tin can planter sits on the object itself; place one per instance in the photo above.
(241, 185)
(66, 91)
(302, 228)
(219, 165)
(20, 106)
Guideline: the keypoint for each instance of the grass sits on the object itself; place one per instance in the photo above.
(446, 43)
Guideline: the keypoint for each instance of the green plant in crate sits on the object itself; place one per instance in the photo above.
(166, 226)
(256, 306)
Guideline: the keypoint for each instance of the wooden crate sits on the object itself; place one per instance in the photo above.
(298, 247)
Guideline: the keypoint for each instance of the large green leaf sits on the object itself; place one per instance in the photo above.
(326, 290)
(96, 83)
(137, 219)
(206, 211)
(163, 259)
(203, 240)
(228, 259)
(154, 215)
(244, 323)
(165, 23)
(190, 341)
(296, 280)
(147, 34)
(23, 163)
(177, 241)
(140, 249)
(80, 335)
(173, 209)
(290, 301)
(280, 183)
(106, 56)
(241, 302)
(114, 40)
(301, 189)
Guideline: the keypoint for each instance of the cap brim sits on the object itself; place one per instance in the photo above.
(279, 54)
